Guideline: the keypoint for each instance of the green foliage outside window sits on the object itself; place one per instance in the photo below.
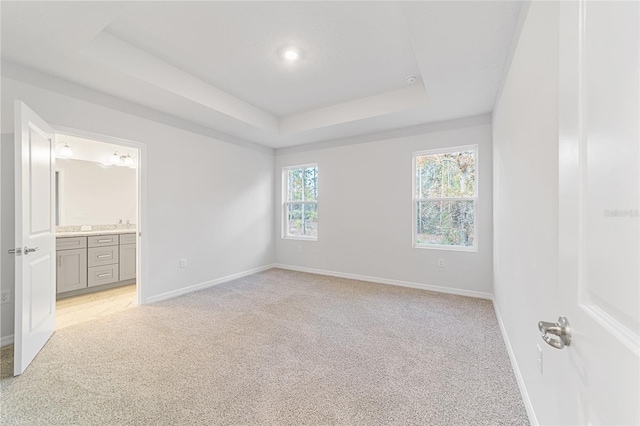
(302, 196)
(445, 198)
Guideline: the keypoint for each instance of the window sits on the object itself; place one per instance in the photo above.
(445, 197)
(300, 202)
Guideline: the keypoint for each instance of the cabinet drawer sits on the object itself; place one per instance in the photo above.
(103, 240)
(98, 256)
(128, 238)
(71, 243)
(99, 275)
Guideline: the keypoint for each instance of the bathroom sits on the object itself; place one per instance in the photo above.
(96, 214)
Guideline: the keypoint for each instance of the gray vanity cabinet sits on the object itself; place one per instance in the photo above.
(128, 256)
(71, 271)
(102, 260)
(103, 240)
(86, 263)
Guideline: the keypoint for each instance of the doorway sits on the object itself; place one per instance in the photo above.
(36, 246)
(96, 217)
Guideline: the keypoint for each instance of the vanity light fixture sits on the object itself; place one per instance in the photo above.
(122, 160)
(127, 160)
(115, 158)
(65, 151)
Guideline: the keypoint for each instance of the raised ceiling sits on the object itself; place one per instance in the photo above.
(219, 64)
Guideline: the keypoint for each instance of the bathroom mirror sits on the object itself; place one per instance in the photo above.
(92, 193)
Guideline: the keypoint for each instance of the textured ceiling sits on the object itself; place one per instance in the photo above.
(219, 64)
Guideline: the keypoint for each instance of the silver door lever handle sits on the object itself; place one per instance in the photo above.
(28, 250)
(560, 329)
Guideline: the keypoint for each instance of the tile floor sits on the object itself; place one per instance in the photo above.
(79, 309)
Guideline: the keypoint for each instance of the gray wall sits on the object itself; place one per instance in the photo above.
(374, 179)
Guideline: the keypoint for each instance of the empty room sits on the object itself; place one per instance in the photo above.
(320, 213)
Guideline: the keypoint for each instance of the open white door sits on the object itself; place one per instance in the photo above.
(599, 207)
(35, 292)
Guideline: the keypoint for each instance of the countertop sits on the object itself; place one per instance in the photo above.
(94, 233)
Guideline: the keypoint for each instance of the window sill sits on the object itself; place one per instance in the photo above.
(287, 237)
(473, 249)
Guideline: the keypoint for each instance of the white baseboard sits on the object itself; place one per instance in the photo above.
(206, 284)
(533, 420)
(6, 340)
(439, 289)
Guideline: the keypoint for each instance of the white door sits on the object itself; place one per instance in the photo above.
(35, 292)
(599, 85)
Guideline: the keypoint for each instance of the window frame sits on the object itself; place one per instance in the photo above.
(474, 198)
(285, 203)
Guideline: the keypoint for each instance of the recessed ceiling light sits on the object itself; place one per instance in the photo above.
(291, 55)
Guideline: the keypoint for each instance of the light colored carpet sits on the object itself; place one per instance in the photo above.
(278, 347)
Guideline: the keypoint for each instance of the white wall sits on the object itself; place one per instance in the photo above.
(365, 213)
(208, 201)
(92, 194)
(525, 171)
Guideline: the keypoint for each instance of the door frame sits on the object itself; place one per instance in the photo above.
(141, 251)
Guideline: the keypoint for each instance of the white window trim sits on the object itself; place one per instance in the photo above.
(414, 202)
(285, 204)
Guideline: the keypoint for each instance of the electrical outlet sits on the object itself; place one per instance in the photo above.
(539, 359)
(183, 263)
(5, 296)
(440, 263)
(299, 249)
